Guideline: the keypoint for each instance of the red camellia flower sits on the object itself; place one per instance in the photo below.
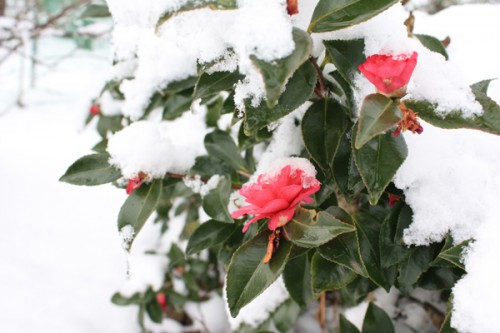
(276, 196)
(95, 109)
(389, 73)
(162, 300)
(292, 7)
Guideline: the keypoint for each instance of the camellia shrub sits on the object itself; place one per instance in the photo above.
(258, 142)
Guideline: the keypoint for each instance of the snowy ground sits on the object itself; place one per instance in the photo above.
(60, 254)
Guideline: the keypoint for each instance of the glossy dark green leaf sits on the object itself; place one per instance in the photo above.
(413, 266)
(327, 275)
(216, 201)
(377, 321)
(247, 276)
(209, 234)
(323, 125)
(176, 105)
(346, 326)
(392, 248)
(138, 207)
(378, 114)
(297, 277)
(221, 145)
(378, 161)
(488, 122)
(277, 72)
(345, 172)
(454, 254)
(286, 315)
(357, 290)
(346, 55)
(335, 15)
(109, 124)
(440, 278)
(298, 90)
(101, 146)
(433, 44)
(344, 249)
(309, 228)
(368, 230)
(91, 170)
(154, 311)
(211, 84)
(206, 166)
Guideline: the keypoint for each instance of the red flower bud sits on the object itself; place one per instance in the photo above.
(135, 183)
(162, 300)
(393, 199)
(95, 109)
(292, 7)
(389, 73)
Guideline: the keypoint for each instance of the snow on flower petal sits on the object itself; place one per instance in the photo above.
(276, 193)
(389, 73)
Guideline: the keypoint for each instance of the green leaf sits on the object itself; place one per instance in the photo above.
(346, 55)
(392, 248)
(433, 44)
(207, 166)
(109, 124)
(120, 300)
(346, 326)
(91, 170)
(298, 90)
(323, 125)
(297, 277)
(482, 86)
(211, 84)
(488, 122)
(327, 275)
(440, 278)
(335, 15)
(311, 229)
(355, 291)
(377, 321)
(414, 265)
(368, 230)
(454, 254)
(247, 276)
(219, 144)
(209, 234)
(286, 315)
(345, 173)
(378, 161)
(154, 311)
(277, 73)
(344, 249)
(216, 201)
(95, 11)
(378, 114)
(176, 105)
(139, 206)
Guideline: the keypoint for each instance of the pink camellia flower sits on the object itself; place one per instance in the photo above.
(389, 73)
(275, 196)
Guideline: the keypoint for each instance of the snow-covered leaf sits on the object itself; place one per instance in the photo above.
(211, 84)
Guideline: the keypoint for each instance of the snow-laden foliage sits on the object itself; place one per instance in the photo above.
(277, 153)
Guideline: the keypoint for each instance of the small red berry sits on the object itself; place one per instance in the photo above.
(393, 199)
(95, 109)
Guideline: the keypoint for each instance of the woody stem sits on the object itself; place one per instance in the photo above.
(322, 312)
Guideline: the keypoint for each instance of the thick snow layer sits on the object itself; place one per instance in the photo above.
(433, 80)
(197, 36)
(156, 148)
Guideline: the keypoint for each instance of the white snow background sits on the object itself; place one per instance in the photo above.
(60, 253)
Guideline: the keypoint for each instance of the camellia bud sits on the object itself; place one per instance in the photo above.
(389, 74)
(292, 7)
(95, 109)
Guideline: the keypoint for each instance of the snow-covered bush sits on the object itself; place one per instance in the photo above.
(263, 145)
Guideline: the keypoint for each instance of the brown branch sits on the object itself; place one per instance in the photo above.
(320, 89)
